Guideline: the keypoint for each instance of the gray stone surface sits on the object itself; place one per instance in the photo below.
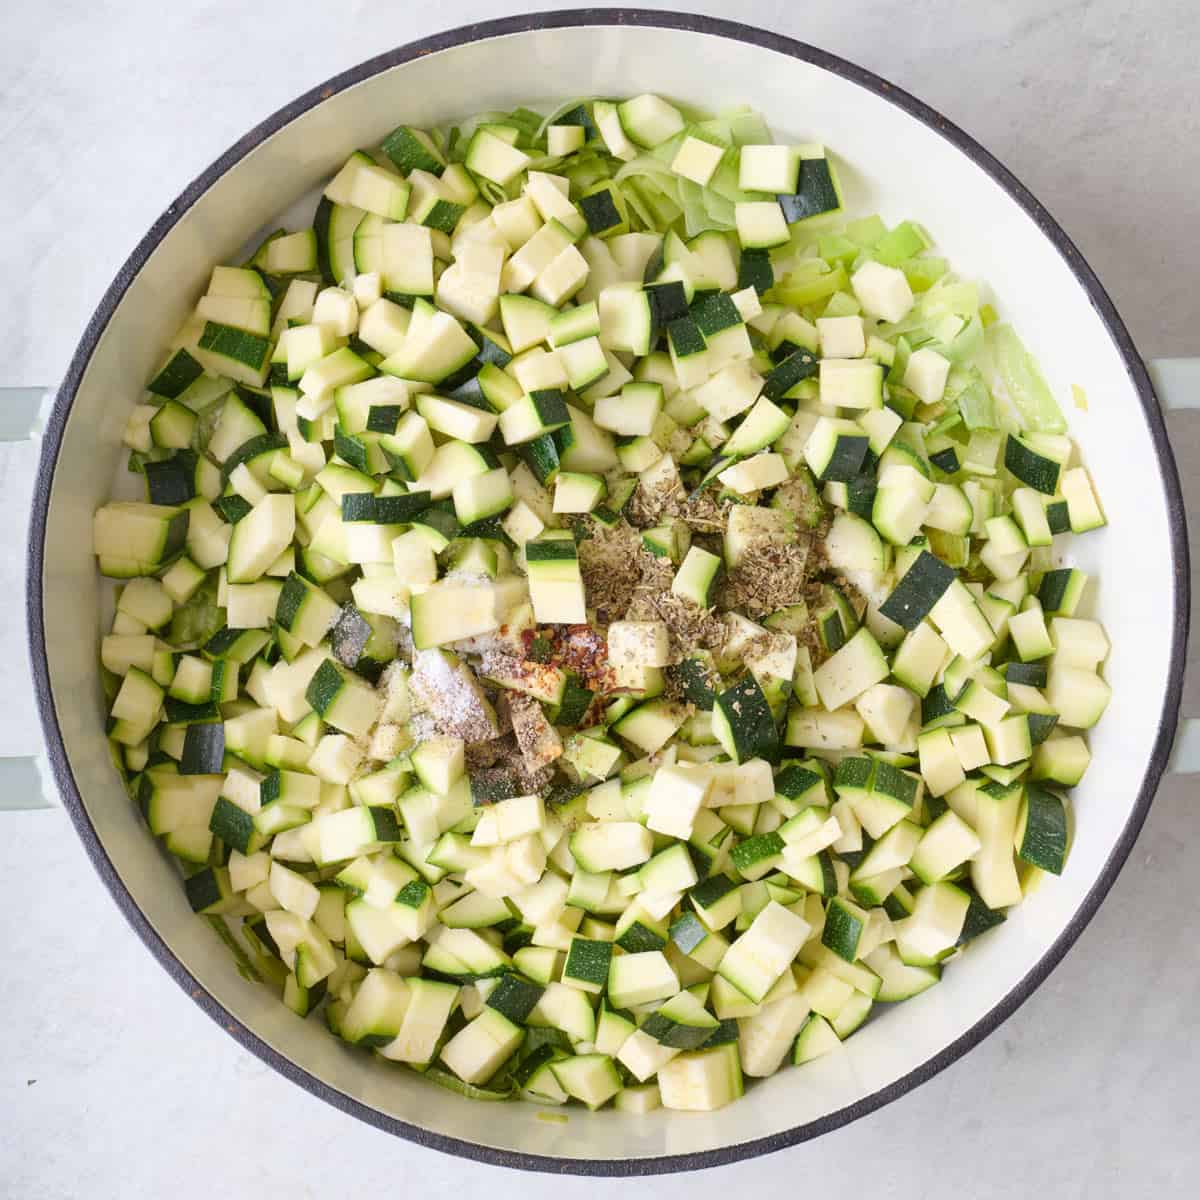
(112, 1083)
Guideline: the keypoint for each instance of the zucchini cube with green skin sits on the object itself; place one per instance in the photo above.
(613, 1029)
(669, 871)
(603, 208)
(766, 1036)
(798, 786)
(291, 787)
(413, 150)
(436, 349)
(566, 1008)
(845, 924)
(1036, 470)
(587, 964)
(761, 224)
(136, 708)
(237, 353)
(515, 997)
(414, 909)
(179, 372)
(474, 910)
(888, 799)
(432, 202)
(343, 700)
(130, 538)
(208, 891)
(788, 373)
(346, 834)
(495, 159)
(817, 189)
(682, 1023)
(234, 826)
(1042, 831)
(1008, 741)
(637, 931)
(698, 576)
(717, 901)
(836, 449)
(1061, 590)
(203, 749)
(555, 581)
(539, 412)
(649, 120)
(919, 589)
(439, 763)
(689, 934)
(611, 845)
(897, 979)
(815, 1039)
(590, 1078)
(758, 855)
(305, 611)
(744, 724)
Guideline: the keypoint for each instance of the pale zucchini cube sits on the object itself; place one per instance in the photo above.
(639, 643)
(768, 168)
(562, 140)
(926, 374)
(748, 304)
(753, 474)
(562, 278)
(847, 674)
(729, 392)
(971, 747)
(842, 337)
(643, 1056)
(337, 309)
(698, 160)
(760, 224)
(478, 1050)
(945, 845)
(366, 289)
(1083, 507)
(940, 765)
(884, 292)
(755, 961)
(887, 710)
(293, 892)
(701, 1080)
(675, 797)
(851, 383)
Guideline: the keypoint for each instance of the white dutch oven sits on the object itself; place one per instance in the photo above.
(902, 160)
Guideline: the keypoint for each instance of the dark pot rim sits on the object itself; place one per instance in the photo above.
(1003, 178)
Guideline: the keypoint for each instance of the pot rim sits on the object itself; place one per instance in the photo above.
(636, 18)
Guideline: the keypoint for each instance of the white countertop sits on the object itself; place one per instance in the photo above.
(113, 1084)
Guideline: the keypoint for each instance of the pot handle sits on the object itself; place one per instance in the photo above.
(1177, 384)
(25, 781)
